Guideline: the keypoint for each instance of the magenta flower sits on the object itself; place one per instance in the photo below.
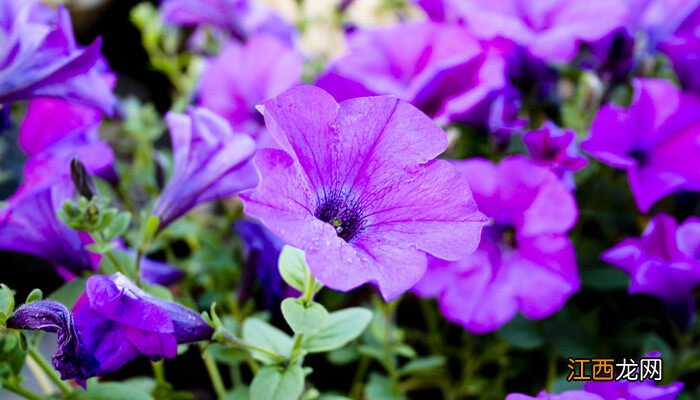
(70, 359)
(210, 163)
(683, 46)
(240, 18)
(627, 390)
(663, 262)
(117, 322)
(357, 188)
(441, 69)
(656, 139)
(243, 75)
(568, 395)
(556, 148)
(552, 30)
(40, 58)
(525, 262)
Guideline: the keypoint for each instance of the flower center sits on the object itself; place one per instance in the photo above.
(342, 213)
(639, 155)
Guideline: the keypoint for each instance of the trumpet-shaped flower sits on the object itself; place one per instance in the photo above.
(656, 140)
(525, 262)
(118, 321)
(39, 57)
(210, 163)
(441, 69)
(357, 187)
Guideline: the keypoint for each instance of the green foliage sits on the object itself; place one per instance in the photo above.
(275, 383)
(304, 319)
(342, 327)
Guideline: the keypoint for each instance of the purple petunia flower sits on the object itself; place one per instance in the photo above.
(357, 188)
(262, 252)
(683, 46)
(553, 31)
(627, 390)
(243, 75)
(118, 321)
(29, 224)
(441, 69)
(210, 163)
(556, 148)
(568, 395)
(70, 359)
(40, 58)
(240, 18)
(663, 262)
(525, 262)
(656, 140)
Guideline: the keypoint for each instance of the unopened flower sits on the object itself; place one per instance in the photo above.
(357, 187)
(656, 140)
(70, 359)
(525, 262)
(555, 148)
(210, 163)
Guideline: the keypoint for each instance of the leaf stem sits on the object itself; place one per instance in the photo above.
(214, 373)
(48, 370)
(20, 391)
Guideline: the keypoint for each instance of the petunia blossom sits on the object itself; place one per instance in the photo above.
(210, 163)
(568, 395)
(627, 390)
(663, 262)
(656, 140)
(40, 58)
(556, 148)
(240, 18)
(70, 359)
(554, 31)
(118, 321)
(243, 75)
(525, 261)
(683, 46)
(441, 69)
(357, 187)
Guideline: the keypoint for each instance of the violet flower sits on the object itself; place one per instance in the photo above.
(28, 224)
(553, 31)
(525, 262)
(210, 163)
(70, 359)
(683, 46)
(568, 395)
(243, 75)
(40, 57)
(441, 69)
(663, 262)
(118, 322)
(656, 140)
(262, 252)
(356, 186)
(627, 390)
(240, 18)
(555, 148)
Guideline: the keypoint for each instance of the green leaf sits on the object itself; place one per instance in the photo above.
(34, 295)
(7, 300)
(304, 319)
(262, 334)
(112, 391)
(521, 333)
(293, 267)
(380, 388)
(343, 326)
(273, 383)
(423, 365)
(118, 226)
(150, 230)
(69, 293)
